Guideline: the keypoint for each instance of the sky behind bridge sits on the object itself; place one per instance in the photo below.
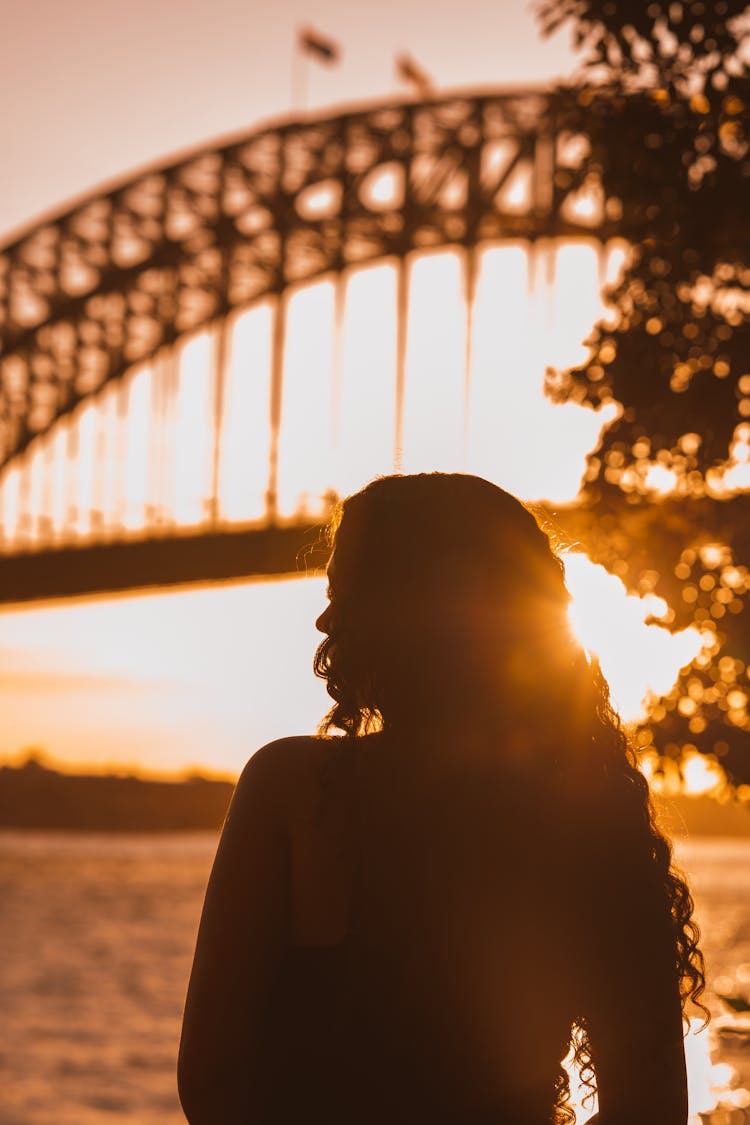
(93, 90)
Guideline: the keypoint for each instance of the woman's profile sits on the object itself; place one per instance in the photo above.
(412, 922)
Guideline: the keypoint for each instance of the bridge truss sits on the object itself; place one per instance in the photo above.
(129, 274)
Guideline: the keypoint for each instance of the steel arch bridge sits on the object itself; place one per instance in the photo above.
(131, 272)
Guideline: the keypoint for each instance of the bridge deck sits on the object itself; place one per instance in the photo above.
(177, 559)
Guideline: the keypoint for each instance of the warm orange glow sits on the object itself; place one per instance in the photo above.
(638, 659)
(203, 677)
(200, 678)
(162, 681)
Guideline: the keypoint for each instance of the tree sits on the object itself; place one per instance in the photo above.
(662, 97)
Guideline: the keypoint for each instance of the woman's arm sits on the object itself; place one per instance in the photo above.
(241, 934)
(634, 1015)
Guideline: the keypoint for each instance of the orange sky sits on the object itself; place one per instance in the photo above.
(166, 681)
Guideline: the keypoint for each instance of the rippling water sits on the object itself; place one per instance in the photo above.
(97, 938)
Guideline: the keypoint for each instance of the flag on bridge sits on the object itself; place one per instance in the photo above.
(321, 46)
(409, 71)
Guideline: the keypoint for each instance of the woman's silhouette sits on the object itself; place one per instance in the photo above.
(409, 923)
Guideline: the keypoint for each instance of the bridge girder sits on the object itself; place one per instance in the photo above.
(89, 294)
(180, 558)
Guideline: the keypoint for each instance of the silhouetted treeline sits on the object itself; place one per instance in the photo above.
(34, 796)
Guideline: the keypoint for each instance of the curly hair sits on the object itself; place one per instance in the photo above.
(446, 597)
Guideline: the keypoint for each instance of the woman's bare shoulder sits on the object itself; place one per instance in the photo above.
(280, 772)
(297, 752)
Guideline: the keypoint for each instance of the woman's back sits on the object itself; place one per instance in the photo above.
(427, 970)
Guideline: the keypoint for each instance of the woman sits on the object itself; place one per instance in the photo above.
(412, 922)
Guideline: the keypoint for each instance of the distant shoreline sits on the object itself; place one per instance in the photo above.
(37, 797)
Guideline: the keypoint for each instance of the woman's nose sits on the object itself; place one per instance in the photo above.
(323, 622)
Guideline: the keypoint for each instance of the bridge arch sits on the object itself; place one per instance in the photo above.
(111, 302)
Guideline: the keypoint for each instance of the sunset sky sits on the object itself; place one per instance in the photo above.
(94, 91)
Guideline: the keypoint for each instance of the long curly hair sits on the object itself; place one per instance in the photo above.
(448, 609)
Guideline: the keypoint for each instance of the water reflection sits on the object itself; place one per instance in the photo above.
(100, 932)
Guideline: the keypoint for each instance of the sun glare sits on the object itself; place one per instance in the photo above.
(638, 658)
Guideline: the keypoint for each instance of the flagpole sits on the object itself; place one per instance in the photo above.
(299, 78)
(308, 41)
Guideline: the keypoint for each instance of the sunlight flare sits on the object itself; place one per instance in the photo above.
(638, 657)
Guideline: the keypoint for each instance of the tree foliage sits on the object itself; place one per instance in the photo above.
(662, 97)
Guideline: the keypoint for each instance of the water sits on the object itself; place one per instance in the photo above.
(97, 942)
(97, 938)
